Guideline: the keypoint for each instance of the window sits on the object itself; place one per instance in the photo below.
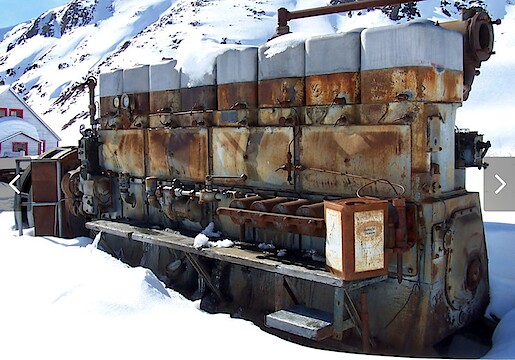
(42, 147)
(21, 146)
(16, 112)
(3, 112)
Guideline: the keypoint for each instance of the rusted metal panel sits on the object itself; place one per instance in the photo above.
(328, 89)
(165, 101)
(284, 92)
(453, 244)
(198, 98)
(187, 154)
(332, 115)
(242, 117)
(44, 178)
(44, 174)
(192, 118)
(157, 159)
(139, 109)
(432, 155)
(411, 84)
(107, 105)
(280, 117)
(112, 116)
(117, 115)
(466, 269)
(235, 95)
(397, 113)
(48, 219)
(256, 152)
(123, 151)
(159, 120)
(363, 152)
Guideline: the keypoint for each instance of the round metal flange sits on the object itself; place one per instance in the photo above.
(481, 36)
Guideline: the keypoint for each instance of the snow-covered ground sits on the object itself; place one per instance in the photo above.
(65, 299)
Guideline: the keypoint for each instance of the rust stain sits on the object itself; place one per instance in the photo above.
(158, 140)
(280, 117)
(375, 152)
(106, 105)
(188, 154)
(229, 152)
(198, 98)
(241, 117)
(165, 101)
(411, 84)
(256, 152)
(232, 96)
(327, 89)
(123, 150)
(286, 92)
(192, 118)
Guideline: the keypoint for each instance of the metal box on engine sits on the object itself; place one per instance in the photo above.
(355, 242)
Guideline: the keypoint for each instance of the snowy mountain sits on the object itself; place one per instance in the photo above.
(46, 59)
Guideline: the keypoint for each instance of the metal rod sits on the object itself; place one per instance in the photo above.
(18, 202)
(365, 331)
(283, 15)
(59, 198)
(278, 291)
(290, 292)
(338, 313)
(203, 272)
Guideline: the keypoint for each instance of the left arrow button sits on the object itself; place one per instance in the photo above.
(11, 184)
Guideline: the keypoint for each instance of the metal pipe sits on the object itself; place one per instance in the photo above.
(18, 202)
(283, 15)
(59, 200)
(476, 27)
(91, 82)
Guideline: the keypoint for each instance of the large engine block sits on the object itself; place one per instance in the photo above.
(274, 143)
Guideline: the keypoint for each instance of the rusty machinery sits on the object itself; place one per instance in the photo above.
(352, 159)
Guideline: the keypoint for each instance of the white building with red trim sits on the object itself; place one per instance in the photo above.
(22, 131)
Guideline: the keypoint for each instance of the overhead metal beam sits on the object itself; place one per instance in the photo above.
(284, 15)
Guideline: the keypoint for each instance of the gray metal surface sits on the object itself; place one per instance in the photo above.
(345, 50)
(164, 76)
(287, 63)
(136, 79)
(237, 65)
(111, 84)
(302, 321)
(417, 43)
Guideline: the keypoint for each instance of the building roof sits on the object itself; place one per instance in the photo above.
(19, 133)
(5, 88)
(10, 125)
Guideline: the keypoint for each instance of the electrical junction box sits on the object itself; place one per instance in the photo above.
(355, 238)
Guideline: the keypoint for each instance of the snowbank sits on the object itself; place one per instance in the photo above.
(65, 299)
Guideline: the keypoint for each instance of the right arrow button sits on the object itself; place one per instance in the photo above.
(503, 184)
